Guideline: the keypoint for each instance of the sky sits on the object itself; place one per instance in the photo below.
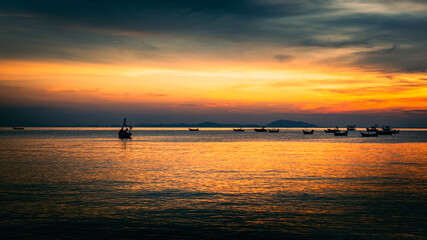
(327, 62)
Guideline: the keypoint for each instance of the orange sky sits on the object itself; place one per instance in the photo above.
(254, 57)
(257, 86)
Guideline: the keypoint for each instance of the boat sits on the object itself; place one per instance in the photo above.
(238, 129)
(125, 130)
(369, 134)
(193, 129)
(386, 128)
(388, 132)
(308, 132)
(341, 133)
(373, 128)
(351, 127)
(273, 130)
(260, 129)
(331, 130)
(18, 128)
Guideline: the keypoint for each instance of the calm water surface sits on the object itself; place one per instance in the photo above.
(78, 183)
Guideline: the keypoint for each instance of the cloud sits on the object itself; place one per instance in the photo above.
(377, 90)
(283, 57)
(395, 59)
(94, 31)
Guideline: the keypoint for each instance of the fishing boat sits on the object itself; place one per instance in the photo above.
(369, 134)
(373, 128)
(193, 129)
(238, 129)
(351, 127)
(273, 130)
(125, 130)
(331, 130)
(308, 132)
(388, 132)
(386, 128)
(18, 128)
(260, 129)
(341, 133)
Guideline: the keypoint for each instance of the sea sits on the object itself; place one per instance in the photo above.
(170, 183)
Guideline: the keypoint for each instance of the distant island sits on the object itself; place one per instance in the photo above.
(278, 123)
(289, 123)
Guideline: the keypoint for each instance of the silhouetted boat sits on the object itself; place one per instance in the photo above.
(373, 128)
(238, 129)
(351, 127)
(308, 132)
(18, 128)
(369, 134)
(193, 129)
(388, 129)
(388, 132)
(340, 133)
(260, 129)
(125, 130)
(331, 130)
(273, 130)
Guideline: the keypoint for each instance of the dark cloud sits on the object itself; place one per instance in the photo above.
(179, 17)
(78, 30)
(283, 57)
(395, 59)
(54, 29)
(401, 38)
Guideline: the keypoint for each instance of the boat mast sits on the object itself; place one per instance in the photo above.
(123, 124)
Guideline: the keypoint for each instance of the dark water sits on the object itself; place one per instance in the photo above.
(79, 183)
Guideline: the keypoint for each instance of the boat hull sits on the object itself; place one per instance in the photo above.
(125, 134)
(260, 130)
(369, 134)
(341, 133)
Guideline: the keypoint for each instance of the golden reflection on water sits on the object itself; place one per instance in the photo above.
(269, 183)
(232, 167)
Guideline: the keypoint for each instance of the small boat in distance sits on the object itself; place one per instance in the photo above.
(273, 130)
(332, 130)
(341, 133)
(260, 129)
(308, 132)
(18, 128)
(351, 127)
(373, 128)
(385, 132)
(369, 134)
(386, 128)
(125, 130)
(238, 129)
(193, 129)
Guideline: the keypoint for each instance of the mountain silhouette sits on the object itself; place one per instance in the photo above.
(278, 123)
(289, 123)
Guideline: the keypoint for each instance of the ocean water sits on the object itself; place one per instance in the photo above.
(84, 183)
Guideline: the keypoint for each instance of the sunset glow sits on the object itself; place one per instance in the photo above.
(322, 63)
